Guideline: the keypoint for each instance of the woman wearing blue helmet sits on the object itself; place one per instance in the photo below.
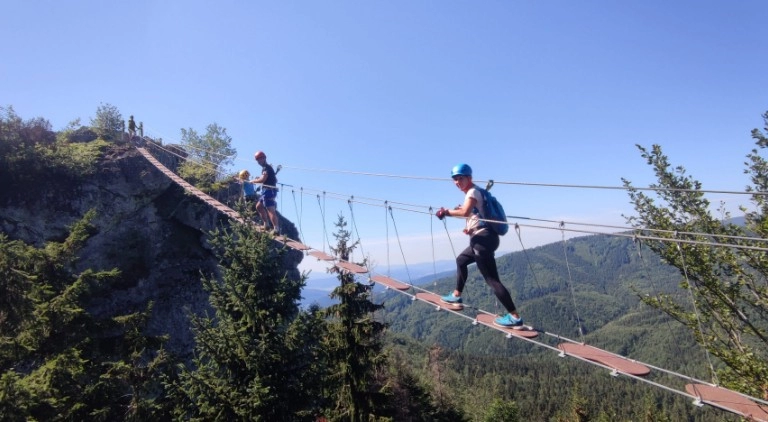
(483, 243)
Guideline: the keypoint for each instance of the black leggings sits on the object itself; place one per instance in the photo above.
(482, 246)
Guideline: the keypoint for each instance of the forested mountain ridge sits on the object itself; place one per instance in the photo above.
(598, 289)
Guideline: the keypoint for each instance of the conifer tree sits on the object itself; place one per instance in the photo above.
(576, 410)
(502, 411)
(353, 344)
(57, 360)
(257, 358)
(729, 313)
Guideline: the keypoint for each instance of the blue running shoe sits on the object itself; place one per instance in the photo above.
(508, 321)
(450, 299)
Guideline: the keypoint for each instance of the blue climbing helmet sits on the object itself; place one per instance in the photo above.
(461, 170)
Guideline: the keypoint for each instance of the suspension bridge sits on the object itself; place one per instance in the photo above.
(698, 391)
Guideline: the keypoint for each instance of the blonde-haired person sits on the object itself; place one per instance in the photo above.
(247, 188)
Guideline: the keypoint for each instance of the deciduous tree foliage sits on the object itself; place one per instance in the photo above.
(728, 285)
(108, 122)
(209, 155)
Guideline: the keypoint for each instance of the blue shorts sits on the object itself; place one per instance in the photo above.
(268, 198)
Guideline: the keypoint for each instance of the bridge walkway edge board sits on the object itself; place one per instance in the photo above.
(390, 282)
(351, 267)
(434, 299)
(295, 244)
(729, 400)
(525, 331)
(322, 256)
(619, 363)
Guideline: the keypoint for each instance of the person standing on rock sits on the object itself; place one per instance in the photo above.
(131, 127)
(247, 189)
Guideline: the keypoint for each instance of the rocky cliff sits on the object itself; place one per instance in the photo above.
(146, 226)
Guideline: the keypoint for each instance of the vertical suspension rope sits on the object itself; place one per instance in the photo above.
(322, 214)
(453, 249)
(298, 214)
(401, 246)
(527, 258)
(656, 289)
(354, 225)
(432, 238)
(696, 311)
(386, 227)
(570, 283)
(450, 240)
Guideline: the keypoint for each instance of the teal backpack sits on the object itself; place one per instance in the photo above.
(493, 211)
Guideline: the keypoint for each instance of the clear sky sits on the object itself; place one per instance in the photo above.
(530, 92)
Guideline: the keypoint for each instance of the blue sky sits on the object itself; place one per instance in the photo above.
(555, 92)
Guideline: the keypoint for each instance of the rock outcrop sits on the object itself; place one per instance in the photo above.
(146, 226)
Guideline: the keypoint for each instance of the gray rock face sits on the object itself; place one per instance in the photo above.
(147, 227)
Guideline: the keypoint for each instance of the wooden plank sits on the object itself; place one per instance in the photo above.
(282, 240)
(594, 354)
(260, 228)
(523, 331)
(297, 245)
(322, 256)
(729, 400)
(435, 300)
(190, 188)
(390, 282)
(351, 267)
